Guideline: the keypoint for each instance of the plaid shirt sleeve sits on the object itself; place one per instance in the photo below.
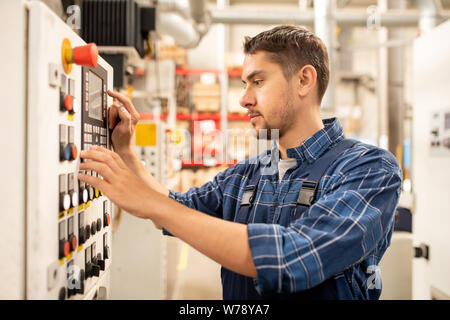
(207, 198)
(350, 221)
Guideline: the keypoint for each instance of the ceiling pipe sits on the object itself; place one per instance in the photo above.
(324, 28)
(343, 17)
(185, 21)
(175, 6)
(429, 14)
(182, 31)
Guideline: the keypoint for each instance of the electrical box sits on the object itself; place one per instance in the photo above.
(431, 163)
(65, 227)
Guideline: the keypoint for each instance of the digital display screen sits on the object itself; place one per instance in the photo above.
(95, 96)
(447, 120)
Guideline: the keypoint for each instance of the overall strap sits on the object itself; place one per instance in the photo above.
(248, 196)
(308, 190)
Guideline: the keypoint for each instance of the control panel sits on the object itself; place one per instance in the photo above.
(440, 132)
(68, 223)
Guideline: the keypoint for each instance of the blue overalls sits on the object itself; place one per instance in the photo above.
(239, 287)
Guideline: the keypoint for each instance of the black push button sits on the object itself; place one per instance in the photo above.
(80, 288)
(93, 227)
(62, 294)
(100, 262)
(106, 252)
(99, 224)
(81, 235)
(87, 232)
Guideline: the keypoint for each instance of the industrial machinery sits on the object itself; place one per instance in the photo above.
(62, 232)
(431, 164)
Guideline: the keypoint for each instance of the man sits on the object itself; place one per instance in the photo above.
(316, 227)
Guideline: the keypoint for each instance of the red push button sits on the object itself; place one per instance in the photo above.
(86, 55)
(74, 152)
(106, 219)
(66, 248)
(68, 102)
(74, 243)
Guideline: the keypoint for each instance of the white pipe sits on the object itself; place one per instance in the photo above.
(198, 9)
(403, 18)
(429, 14)
(324, 26)
(183, 32)
(179, 6)
(185, 21)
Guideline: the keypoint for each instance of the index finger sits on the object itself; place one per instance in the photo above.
(124, 100)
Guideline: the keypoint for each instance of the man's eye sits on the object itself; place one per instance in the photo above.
(257, 82)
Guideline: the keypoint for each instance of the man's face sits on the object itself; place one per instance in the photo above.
(268, 96)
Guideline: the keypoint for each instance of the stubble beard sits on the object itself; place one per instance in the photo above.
(286, 115)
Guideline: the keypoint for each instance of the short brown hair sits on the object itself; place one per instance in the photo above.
(293, 47)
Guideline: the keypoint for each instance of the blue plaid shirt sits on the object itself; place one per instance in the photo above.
(344, 233)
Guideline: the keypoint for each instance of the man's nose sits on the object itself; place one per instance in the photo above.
(247, 99)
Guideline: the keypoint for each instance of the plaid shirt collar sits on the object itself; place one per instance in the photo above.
(313, 147)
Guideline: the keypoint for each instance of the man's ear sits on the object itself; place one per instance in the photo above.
(306, 80)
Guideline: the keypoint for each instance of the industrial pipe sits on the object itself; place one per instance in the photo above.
(342, 17)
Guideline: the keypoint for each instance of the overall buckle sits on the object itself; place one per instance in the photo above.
(307, 193)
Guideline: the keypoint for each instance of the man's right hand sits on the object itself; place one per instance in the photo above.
(122, 119)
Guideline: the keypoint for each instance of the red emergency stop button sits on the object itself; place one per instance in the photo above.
(68, 102)
(85, 55)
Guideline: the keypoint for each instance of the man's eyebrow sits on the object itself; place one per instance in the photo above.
(253, 74)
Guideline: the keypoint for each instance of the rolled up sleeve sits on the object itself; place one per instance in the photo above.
(207, 198)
